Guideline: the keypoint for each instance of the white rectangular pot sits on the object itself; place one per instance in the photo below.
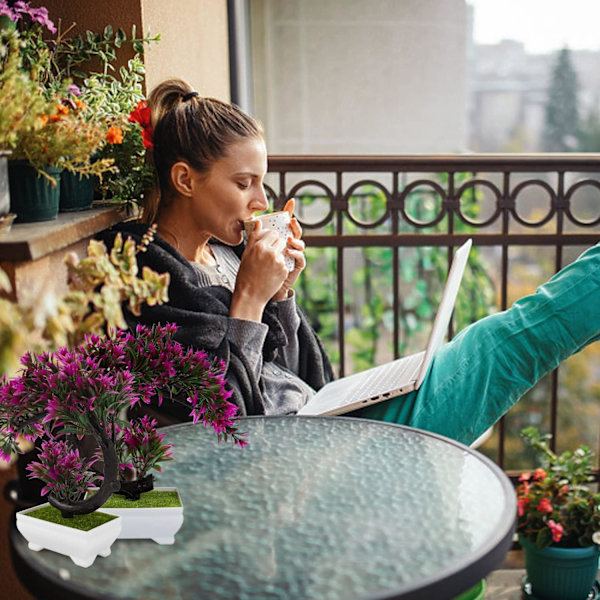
(159, 524)
(81, 546)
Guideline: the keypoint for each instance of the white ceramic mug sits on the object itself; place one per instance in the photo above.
(279, 222)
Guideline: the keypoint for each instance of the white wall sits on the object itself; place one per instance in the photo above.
(361, 77)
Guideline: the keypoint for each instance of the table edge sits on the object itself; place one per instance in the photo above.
(457, 578)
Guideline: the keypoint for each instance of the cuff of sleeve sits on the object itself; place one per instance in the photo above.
(287, 311)
(249, 336)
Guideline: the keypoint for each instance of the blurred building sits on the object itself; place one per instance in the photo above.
(508, 93)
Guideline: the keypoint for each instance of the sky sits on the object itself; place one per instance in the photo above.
(542, 25)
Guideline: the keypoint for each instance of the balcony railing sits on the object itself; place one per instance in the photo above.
(545, 200)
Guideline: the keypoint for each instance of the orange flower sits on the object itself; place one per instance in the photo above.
(62, 110)
(114, 135)
(44, 120)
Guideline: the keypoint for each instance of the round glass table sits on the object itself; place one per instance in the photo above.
(312, 508)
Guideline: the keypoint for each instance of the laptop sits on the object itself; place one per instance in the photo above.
(400, 376)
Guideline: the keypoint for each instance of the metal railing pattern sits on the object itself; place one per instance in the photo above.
(559, 179)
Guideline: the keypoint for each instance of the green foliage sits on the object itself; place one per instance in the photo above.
(22, 103)
(72, 58)
(368, 306)
(96, 138)
(561, 124)
(98, 285)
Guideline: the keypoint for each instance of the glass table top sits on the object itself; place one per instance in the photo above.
(313, 508)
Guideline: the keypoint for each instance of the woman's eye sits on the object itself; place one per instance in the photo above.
(243, 186)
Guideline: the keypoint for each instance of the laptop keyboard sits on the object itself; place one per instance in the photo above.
(390, 376)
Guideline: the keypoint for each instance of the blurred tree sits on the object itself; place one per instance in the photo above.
(561, 124)
(589, 132)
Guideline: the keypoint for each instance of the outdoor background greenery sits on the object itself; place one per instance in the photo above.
(368, 306)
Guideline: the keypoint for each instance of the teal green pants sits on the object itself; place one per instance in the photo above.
(477, 376)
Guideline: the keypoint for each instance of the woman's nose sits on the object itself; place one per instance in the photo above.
(259, 200)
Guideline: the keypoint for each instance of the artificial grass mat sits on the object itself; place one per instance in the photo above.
(151, 499)
(81, 522)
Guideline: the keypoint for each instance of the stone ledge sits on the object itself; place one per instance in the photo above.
(33, 254)
(31, 241)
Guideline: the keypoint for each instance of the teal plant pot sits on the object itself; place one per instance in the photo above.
(32, 196)
(560, 573)
(76, 191)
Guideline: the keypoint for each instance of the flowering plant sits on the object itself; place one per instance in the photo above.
(86, 122)
(141, 114)
(133, 174)
(23, 106)
(555, 506)
(140, 447)
(86, 391)
(63, 471)
(68, 137)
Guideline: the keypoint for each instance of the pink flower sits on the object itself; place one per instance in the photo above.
(556, 529)
(539, 474)
(545, 506)
(521, 505)
(525, 477)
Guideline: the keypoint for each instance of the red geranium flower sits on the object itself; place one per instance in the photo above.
(141, 114)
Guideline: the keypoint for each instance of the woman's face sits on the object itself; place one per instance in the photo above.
(231, 192)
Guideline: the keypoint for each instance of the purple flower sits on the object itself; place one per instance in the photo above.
(40, 15)
(7, 11)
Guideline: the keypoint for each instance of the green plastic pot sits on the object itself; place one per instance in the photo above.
(477, 592)
(76, 191)
(560, 573)
(32, 196)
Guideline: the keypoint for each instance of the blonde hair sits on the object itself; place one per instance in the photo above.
(188, 127)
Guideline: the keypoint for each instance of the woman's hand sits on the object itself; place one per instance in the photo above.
(295, 249)
(261, 275)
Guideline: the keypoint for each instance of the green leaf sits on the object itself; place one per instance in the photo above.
(108, 32)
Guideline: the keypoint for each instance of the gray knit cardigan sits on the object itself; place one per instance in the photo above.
(202, 313)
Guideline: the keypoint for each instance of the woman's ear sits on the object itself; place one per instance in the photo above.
(181, 178)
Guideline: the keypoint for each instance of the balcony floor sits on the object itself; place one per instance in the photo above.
(505, 582)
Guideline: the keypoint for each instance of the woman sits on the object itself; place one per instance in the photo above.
(237, 302)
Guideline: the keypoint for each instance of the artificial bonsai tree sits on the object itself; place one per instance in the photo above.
(85, 391)
(74, 382)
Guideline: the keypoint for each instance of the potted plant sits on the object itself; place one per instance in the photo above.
(79, 124)
(68, 476)
(558, 522)
(22, 109)
(99, 284)
(148, 512)
(84, 392)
